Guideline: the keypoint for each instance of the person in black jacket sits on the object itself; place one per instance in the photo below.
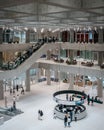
(65, 120)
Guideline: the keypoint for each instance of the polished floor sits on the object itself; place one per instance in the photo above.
(40, 97)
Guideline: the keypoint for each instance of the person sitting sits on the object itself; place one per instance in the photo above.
(96, 98)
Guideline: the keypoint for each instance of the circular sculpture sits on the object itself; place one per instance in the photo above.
(81, 96)
(68, 106)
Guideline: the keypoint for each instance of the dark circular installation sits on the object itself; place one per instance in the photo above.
(81, 96)
(72, 107)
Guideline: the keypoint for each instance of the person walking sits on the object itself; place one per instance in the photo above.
(14, 103)
(65, 120)
(71, 115)
(88, 99)
(69, 121)
(92, 100)
(41, 114)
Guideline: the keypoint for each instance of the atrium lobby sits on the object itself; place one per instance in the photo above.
(41, 97)
(51, 60)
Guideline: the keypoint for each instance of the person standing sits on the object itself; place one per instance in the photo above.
(69, 121)
(88, 99)
(67, 97)
(14, 103)
(17, 87)
(65, 120)
(38, 114)
(92, 100)
(41, 114)
(71, 115)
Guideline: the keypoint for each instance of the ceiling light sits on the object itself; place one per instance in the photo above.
(101, 27)
(50, 29)
(42, 30)
(56, 30)
(35, 30)
(26, 28)
(95, 28)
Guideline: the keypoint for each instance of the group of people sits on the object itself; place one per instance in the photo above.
(40, 115)
(70, 98)
(67, 121)
(16, 89)
(90, 99)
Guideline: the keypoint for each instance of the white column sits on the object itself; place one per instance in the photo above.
(42, 71)
(27, 36)
(48, 55)
(48, 74)
(100, 58)
(1, 41)
(27, 82)
(100, 88)
(1, 90)
(72, 54)
(71, 85)
(83, 80)
(57, 75)
(1, 35)
(100, 36)
(38, 74)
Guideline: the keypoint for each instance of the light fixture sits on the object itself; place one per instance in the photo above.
(55, 30)
(50, 29)
(35, 30)
(95, 28)
(26, 28)
(101, 27)
(42, 30)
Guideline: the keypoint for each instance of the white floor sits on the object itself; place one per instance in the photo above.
(40, 97)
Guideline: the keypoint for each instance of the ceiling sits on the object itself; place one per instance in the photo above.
(52, 13)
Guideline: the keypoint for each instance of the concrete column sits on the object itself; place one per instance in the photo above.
(1, 90)
(1, 41)
(84, 81)
(57, 75)
(100, 36)
(71, 54)
(75, 36)
(27, 82)
(1, 59)
(99, 88)
(71, 85)
(48, 74)
(1, 35)
(48, 55)
(59, 36)
(71, 36)
(38, 74)
(100, 40)
(42, 71)
(27, 36)
(60, 40)
(100, 58)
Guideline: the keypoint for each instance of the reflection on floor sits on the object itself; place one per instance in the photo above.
(40, 97)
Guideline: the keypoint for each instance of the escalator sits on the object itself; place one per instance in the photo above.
(30, 60)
